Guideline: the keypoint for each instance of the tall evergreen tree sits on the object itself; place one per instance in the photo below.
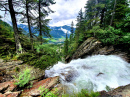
(14, 22)
(80, 28)
(9, 6)
(66, 44)
(28, 17)
(41, 22)
(72, 32)
(113, 13)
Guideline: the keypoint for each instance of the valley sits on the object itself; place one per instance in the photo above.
(64, 48)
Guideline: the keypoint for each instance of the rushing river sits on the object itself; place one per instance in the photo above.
(92, 73)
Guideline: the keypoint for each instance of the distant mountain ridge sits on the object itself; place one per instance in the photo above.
(56, 32)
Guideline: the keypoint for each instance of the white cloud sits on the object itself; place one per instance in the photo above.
(65, 31)
(66, 11)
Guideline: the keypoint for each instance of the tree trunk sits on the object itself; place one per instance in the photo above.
(40, 32)
(29, 26)
(102, 17)
(113, 13)
(13, 18)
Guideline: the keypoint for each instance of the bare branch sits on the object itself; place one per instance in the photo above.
(4, 7)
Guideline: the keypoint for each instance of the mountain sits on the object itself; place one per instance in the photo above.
(56, 32)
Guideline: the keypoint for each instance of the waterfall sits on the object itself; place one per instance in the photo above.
(92, 73)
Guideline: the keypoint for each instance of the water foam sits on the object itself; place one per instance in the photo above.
(92, 73)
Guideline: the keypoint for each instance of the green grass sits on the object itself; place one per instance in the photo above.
(55, 40)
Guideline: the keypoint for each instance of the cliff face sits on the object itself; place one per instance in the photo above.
(94, 47)
(87, 48)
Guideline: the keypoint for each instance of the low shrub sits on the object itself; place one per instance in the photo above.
(17, 69)
(40, 59)
(46, 93)
(24, 78)
(83, 93)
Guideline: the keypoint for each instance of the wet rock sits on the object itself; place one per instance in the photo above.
(123, 91)
(71, 75)
(86, 48)
(69, 78)
(104, 94)
(58, 90)
(94, 47)
(105, 50)
(48, 83)
(100, 74)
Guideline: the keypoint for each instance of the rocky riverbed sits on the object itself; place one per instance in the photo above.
(10, 69)
(8, 89)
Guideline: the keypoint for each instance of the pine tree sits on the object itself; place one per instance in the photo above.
(72, 32)
(121, 10)
(80, 28)
(66, 44)
(9, 6)
(28, 18)
(41, 22)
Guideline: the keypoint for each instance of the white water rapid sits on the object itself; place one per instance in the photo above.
(92, 73)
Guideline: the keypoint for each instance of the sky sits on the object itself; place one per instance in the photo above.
(66, 11)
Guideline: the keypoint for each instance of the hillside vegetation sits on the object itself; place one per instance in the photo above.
(44, 56)
(7, 42)
(107, 21)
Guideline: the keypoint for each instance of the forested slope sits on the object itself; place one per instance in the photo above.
(106, 20)
(7, 42)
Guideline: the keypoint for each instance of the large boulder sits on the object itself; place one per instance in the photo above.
(86, 48)
(93, 46)
(122, 91)
(7, 70)
(13, 94)
(50, 84)
(7, 86)
(10, 69)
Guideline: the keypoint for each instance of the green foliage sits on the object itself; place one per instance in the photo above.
(7, 58)
(108, 88)
(96, 23)
(17, 69)
(83, 93)
(24, 78)
(25, 40)
(46, 93)
(112, 36)
(44, 56)
(6, 40)
(66, 43)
